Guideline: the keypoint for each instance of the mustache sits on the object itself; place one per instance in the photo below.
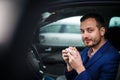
(86, 39)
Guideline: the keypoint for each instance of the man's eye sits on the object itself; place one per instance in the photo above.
(90, 30)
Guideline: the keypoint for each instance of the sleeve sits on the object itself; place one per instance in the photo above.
(74, 76)
(70, 75)
(83, 76)
(109, 70)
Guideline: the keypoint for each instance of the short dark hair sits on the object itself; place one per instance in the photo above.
(99, 19)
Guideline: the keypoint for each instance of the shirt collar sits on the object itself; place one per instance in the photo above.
(91, 52)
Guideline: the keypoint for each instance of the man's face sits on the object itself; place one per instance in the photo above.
(91, 34)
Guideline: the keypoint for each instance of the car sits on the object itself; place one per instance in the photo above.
(34, 52)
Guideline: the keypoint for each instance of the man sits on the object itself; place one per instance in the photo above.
(99, 60)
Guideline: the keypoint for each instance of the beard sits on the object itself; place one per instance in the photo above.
(94, 42)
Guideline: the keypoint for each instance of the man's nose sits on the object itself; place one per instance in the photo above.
(85, 34)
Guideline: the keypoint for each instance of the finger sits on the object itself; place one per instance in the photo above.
(63, 51)
(76, 51)
(67, 49)
(73, 48)
(72, 51)
(70, 56)
(65, 55)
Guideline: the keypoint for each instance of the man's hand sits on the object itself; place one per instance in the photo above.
(73, 58)
(65, 57)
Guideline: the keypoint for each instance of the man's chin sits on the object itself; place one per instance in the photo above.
(88, 45)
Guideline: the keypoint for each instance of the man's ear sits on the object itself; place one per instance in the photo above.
(102, 31)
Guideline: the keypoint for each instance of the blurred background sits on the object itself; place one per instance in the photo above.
(10, 13)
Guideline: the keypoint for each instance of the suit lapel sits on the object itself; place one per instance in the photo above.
(84, 55)
(97, 55)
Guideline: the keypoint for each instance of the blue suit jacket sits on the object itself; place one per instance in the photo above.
(102, 66)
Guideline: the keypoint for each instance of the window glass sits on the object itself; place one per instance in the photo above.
(64, 32)
(67, 25)
(50, 28)
(114, 21)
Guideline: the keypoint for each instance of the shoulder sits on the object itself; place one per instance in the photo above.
(110, 52)
(107, 47)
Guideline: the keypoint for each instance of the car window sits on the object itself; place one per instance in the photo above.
(50, 28)
(114, 21)
(66, 25)
(64, 32)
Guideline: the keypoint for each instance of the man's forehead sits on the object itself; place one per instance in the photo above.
(88, 23)
(87, 27)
